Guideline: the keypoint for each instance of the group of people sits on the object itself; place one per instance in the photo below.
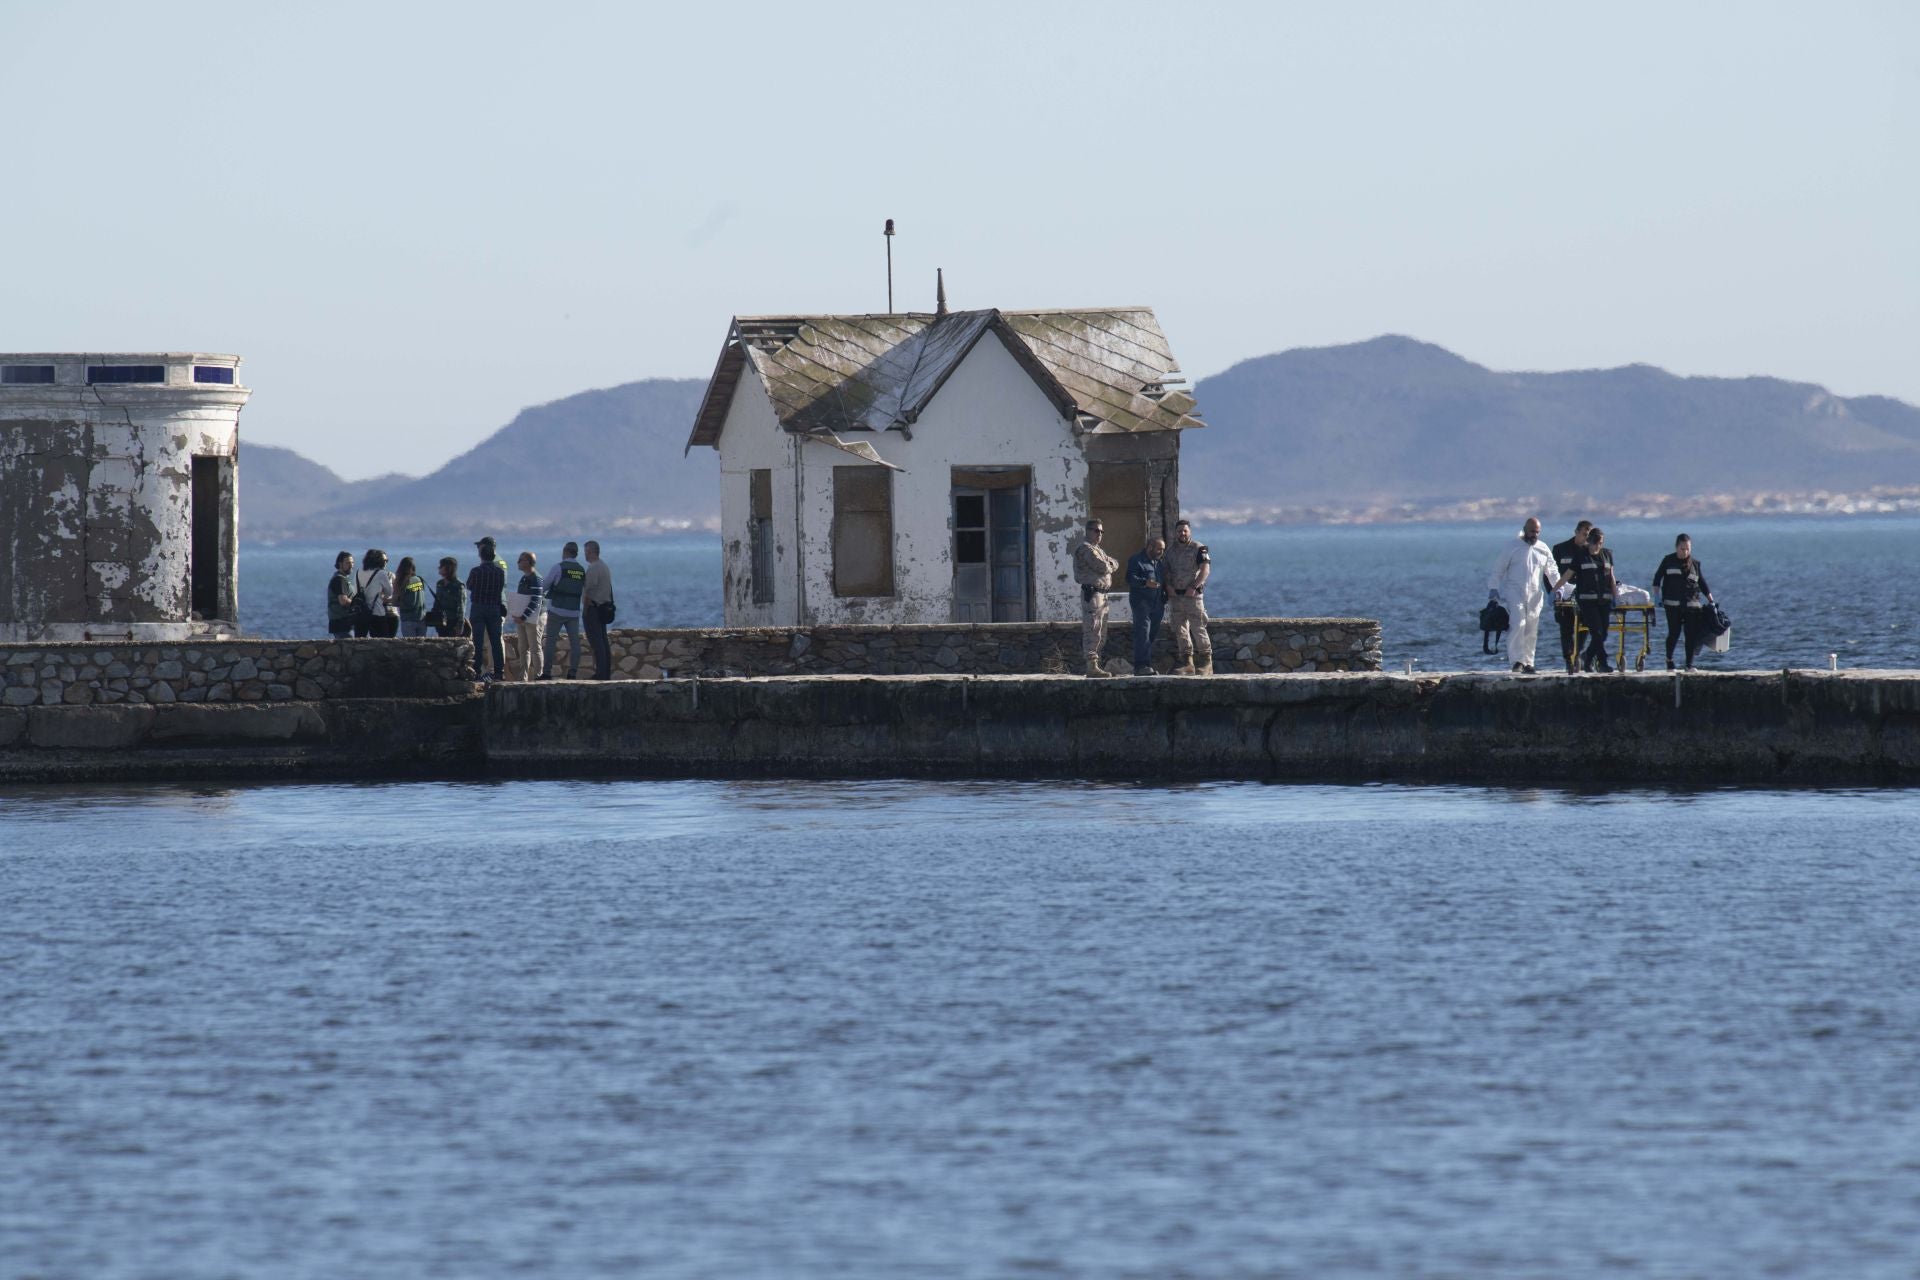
(1163, 582)
(572, 596)
(1529, 575)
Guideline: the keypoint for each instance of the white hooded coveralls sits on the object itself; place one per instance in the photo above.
(1518, 578)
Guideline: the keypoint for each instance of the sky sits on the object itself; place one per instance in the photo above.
(413, 219)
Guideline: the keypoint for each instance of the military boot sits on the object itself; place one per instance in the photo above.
(1205, 668)
(1095, 670)
(1185, 668)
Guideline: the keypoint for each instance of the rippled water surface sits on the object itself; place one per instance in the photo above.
(915, 1029)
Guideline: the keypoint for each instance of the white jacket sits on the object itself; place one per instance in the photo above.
(1517, 575)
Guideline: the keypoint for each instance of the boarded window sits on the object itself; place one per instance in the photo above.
(862, 531)
(760, 533)
(1117, 498)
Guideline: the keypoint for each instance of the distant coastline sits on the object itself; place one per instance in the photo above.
(1878, 501)
(1813, 504)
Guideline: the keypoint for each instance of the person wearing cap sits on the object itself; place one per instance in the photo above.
(1093, 569)
(487, 609)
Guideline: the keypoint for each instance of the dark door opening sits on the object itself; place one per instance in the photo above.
(206, 537)
(992, 575)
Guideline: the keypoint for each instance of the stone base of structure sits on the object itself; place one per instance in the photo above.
(1766, 729)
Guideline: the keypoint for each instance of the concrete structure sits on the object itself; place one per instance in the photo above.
(918, 468)
(391, 719)
(119, 496)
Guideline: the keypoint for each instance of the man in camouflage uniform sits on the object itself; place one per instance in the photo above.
(1188, 565)
(1093, 569)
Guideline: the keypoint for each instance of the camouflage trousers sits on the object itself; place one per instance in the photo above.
(1093, 623)
(1187, 619)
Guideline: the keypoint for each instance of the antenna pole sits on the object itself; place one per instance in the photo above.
(889, 235)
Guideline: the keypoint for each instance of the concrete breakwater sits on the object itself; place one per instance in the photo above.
(1721, 728)
(1855, 728)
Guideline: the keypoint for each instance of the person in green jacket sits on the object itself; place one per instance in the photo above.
(450, 600)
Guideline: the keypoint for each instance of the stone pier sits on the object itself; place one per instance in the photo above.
(1750, 728)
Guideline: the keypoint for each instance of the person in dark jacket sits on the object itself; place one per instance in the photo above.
(487, 610)
(566, 585)
(1146, 601)
(1593, 584)
(340, 591)
(1564, 612)
(1681, 587)
(449, 600)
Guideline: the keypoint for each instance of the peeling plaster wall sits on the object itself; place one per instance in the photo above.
(989, 413)
(96, 499)
(751, 438)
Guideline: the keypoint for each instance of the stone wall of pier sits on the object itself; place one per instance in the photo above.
(239, 671)
(1245, 646)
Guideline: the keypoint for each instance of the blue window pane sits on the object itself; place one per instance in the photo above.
(126, 373)
(25, 373)
(212, 373)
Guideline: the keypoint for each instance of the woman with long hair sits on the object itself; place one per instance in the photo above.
(376, 588)
(410, 598)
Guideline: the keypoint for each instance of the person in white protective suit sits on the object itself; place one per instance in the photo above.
(1523, 581)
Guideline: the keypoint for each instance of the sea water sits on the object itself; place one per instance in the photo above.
(884, 1029)
(1795, 589)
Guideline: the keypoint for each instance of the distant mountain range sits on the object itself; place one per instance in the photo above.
(1392, 428)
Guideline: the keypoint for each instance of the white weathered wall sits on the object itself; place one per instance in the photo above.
(989, 413)
(751, 438)
(97, 489)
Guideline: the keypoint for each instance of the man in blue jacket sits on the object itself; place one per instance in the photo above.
(487, 609)
(1147, 601)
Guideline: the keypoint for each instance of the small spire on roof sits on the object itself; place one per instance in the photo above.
(939, 292)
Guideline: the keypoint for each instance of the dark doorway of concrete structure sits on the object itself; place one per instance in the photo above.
(206, 537)
(992, 564)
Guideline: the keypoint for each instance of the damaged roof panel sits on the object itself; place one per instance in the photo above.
(1107, 368)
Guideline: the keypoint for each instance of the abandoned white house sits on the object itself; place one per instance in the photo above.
(936, 468)
(119, 513)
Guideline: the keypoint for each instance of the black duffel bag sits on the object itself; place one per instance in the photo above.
(1493, 624)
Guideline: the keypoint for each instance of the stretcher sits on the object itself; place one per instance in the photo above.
(1628, 619)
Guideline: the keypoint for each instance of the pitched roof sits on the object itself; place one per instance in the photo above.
(1110, 369)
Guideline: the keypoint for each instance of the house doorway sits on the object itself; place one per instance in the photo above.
(992, 558)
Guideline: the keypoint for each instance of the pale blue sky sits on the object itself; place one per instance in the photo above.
(413, 219)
